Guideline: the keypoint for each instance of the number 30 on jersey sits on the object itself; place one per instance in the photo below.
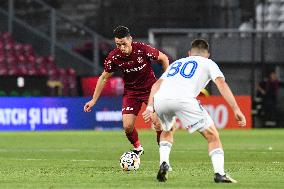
(186, 70)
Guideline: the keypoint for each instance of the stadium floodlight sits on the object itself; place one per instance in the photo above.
(190, 34)
(68, 25)
(216, 35)
(74, 29)
(204, 35)
(82, 32)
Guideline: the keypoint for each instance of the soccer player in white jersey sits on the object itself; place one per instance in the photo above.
(174, 95)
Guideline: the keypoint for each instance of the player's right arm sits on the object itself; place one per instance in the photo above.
(229, 97)
(99, 88)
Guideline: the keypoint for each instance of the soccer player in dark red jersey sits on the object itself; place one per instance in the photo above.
(134, 60)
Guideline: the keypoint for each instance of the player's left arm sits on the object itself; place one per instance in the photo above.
(148, 113)
(229, 97)
(164, 60)
(154, 54)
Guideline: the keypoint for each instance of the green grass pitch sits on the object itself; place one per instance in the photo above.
(90, 159)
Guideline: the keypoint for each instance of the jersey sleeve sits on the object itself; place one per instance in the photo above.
(151, 52)
(109, 65)
(214, 71)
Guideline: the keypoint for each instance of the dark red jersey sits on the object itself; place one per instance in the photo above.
(138, 74)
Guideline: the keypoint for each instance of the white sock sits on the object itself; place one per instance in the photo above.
(165, 149)
(217, 158)
(138, 148)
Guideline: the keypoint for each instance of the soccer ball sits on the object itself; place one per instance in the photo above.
(129, 161)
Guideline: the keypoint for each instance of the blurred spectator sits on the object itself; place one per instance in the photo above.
(17, 59)
(268, 90)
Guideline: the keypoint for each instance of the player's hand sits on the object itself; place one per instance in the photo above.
(148, 113)
(241, 119)
(88, 106)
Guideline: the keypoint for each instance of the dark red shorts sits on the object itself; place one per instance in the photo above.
(132, 105)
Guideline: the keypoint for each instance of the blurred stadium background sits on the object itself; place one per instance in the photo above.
(56, 48)
(52, 53)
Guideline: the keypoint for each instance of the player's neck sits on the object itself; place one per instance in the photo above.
(201, 53)
(196, 55)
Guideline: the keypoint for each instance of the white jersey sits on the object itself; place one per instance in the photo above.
(186, 77)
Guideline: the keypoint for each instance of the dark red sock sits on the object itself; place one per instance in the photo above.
(133, 138)
(158, 136)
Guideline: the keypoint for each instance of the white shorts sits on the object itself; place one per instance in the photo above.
(191, 114)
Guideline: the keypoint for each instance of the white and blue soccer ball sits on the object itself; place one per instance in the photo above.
(129, 161)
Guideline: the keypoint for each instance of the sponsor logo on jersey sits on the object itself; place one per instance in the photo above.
(140, 59)
(135, 69)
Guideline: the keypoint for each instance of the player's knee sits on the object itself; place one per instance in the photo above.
(213, 137)
(128, 128)
(167, 136)
(157, 125)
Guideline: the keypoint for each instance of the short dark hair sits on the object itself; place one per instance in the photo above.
(121, 32)
(200, 44)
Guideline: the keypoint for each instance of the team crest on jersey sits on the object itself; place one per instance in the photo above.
(140, 59)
